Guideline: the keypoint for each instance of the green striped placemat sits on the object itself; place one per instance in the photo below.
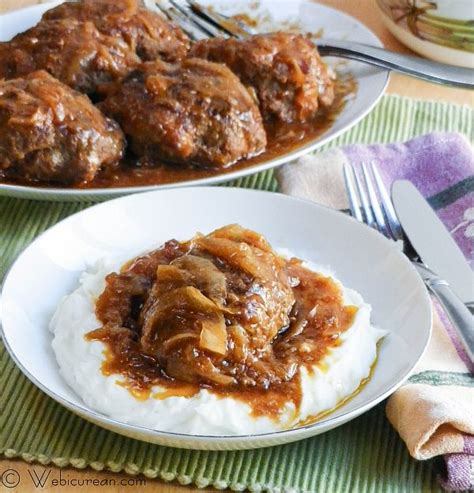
(363, 455)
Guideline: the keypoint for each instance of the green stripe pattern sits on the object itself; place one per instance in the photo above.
(443, 378)
(363, 455)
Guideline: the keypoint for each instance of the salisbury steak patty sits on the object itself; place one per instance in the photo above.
(289, 77)
(48, 132)
(74, 52)
(196, 112)
(206, 310)
(147, 33)
(89, 43)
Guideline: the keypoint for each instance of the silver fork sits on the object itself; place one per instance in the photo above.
(199, 22)
(193, 25)
(370, 203)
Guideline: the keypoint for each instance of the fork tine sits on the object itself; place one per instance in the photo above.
(369, 217)
(374, 203)
(184, 23)
(223, 23)
(163, 10)
(354, 202)
(369, 193)
(207, 29)
(390, 214)
(173, 16)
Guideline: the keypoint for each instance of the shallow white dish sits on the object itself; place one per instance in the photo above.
(360, 257)
(441, 30)
(308, 15)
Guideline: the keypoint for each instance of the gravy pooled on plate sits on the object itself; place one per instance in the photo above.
(222, 312)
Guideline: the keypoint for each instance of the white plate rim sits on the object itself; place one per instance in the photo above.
(52, 193)
(328, 422)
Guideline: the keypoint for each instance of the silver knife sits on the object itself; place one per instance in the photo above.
(453, 283)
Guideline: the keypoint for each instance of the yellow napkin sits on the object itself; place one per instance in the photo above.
(434, 410)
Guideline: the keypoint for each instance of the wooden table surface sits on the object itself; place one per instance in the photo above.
(366, 12)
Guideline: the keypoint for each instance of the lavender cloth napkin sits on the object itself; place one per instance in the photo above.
(441, 165)
(459, 468)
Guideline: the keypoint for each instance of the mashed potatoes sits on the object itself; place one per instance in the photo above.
(338, 375)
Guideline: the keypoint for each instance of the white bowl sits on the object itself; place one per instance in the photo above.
(442, 30)
(359, 256)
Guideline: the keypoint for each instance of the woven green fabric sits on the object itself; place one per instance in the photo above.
(363, 455)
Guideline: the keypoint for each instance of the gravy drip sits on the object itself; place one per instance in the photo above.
(274, 315)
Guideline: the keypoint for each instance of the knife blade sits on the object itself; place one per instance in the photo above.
(432, 241)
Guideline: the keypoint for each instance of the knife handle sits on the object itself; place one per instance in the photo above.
(457, 312)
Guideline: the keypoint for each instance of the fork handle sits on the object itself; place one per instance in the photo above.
(457, 312)
(439, 73)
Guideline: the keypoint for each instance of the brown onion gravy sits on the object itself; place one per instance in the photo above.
(282, 139)
(317, 320)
